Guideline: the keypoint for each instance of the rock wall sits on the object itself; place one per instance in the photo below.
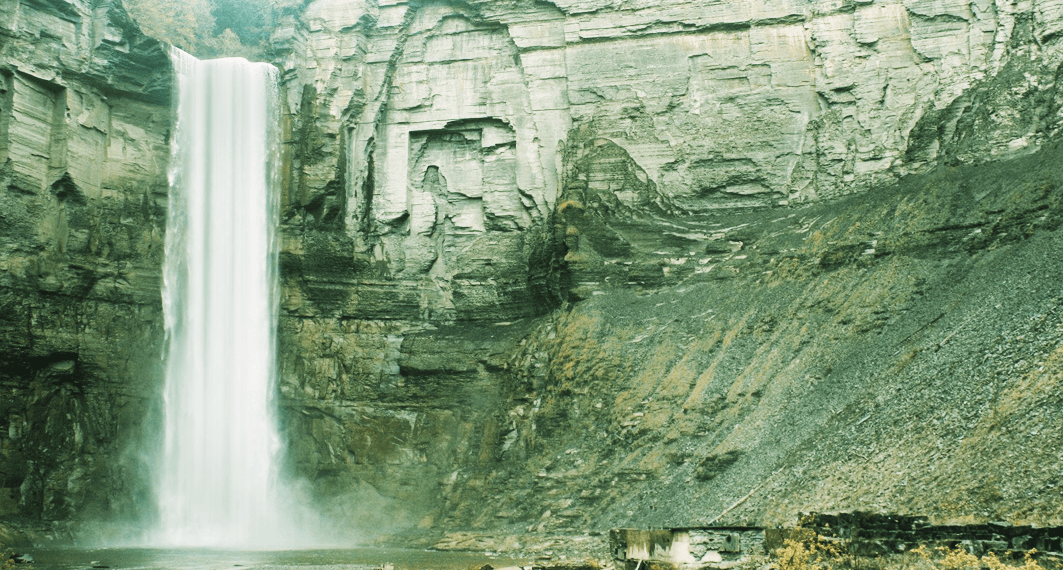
(418, 249)
(563, 265)
(719, 104)
(892, 352)
(84, 127)
(569, 265)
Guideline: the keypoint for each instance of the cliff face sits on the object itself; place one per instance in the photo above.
(559, 266)
(719, 104)
(573, 264)
(84, 121)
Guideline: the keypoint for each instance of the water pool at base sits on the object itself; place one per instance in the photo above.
(207, 559)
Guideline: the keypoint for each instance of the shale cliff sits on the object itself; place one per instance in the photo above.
(566, 265)
(84, 122)
(560, 266)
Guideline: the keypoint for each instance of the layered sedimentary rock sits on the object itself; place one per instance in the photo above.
(657, 170)
(84, 121)
(719, 104)
(558, 266)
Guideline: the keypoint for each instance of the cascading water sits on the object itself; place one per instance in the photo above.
(217, 473)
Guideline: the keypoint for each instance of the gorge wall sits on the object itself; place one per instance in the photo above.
(562, 266)
(557, 266)
(84, 126)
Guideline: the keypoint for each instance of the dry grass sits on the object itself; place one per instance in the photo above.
(811, 554)
(958, 559)
(818, 554)
(569, 204)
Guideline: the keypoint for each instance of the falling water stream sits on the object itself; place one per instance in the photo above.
(216, 484)
(220, 501)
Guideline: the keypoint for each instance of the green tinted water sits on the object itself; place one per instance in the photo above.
(205, 559)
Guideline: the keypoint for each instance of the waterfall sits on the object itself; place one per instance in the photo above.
(217, 473)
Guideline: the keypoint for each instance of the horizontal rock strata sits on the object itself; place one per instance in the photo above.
(557, 266)
(589, 261)
(84, 122)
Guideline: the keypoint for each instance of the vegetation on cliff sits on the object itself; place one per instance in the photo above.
(207, 28)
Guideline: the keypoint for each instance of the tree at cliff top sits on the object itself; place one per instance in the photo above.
(249, 20)
(186, 25)
(206, 28)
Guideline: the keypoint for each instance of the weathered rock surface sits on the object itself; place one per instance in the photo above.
(887, 352)
(719, 104)
(84, 121)
(564, 265)
(569, 265)
(894, 352)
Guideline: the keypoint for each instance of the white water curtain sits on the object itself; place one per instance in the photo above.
(218, 471)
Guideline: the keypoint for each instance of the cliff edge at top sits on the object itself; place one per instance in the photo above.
(718, 104)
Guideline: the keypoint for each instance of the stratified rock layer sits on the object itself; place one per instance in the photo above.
(84, 121)
(559, 266)
(720, 104)
(563, 265)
